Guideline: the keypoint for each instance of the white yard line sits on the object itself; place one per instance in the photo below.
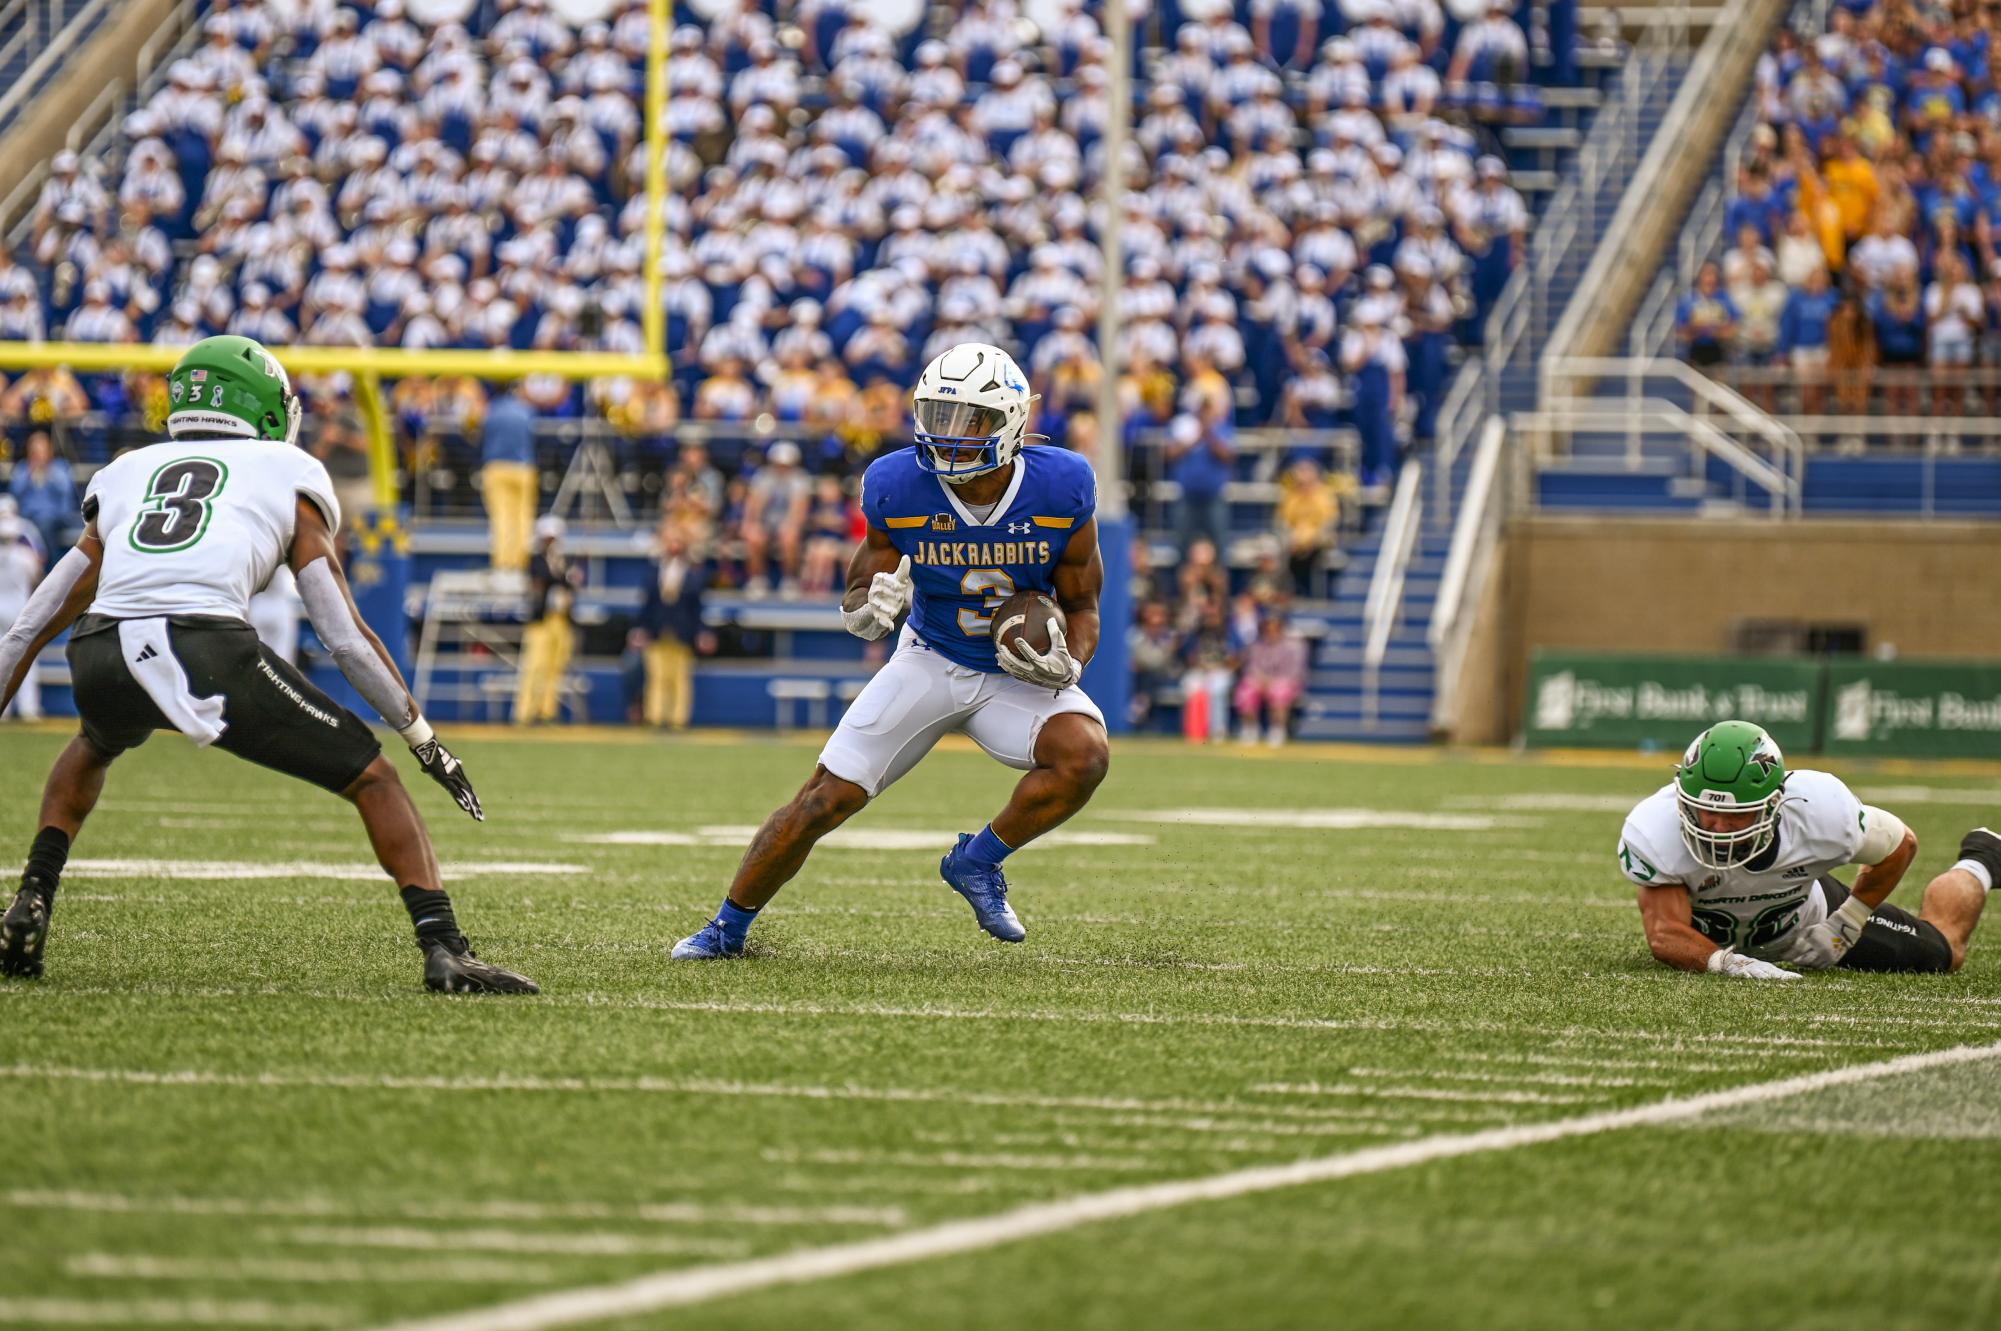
(213, 870)
(1312, 820)
(166, 1312)
(669, 1289)
(662, 1086)
(327, 1208)
(1512, 1078)
(432, 1239)
(1424, 1093)
(872, 1011)
(138, 1266)
(1585, 1061)
(1007, 1161)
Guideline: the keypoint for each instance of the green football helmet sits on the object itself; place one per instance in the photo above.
(231, 388)
(1732, 768)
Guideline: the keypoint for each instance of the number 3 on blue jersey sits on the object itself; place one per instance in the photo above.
(998, 586)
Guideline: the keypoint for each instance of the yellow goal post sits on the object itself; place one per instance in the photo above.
(370, 365)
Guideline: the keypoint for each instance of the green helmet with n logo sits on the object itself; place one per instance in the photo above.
(1728, 788)
(231, 388)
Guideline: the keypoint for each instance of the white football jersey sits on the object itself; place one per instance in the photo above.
(1760, 911)
(196, 527)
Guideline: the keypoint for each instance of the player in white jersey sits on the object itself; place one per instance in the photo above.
(180, 536)
(1734, 860)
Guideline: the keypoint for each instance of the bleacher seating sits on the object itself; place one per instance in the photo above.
(358, 176)
(1855, 287)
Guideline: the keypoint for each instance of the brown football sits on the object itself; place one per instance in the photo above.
(1024, 619)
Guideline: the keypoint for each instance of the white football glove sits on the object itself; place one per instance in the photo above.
(1053, 669)
(888, 597)
(1825, 944)
(1729, 961)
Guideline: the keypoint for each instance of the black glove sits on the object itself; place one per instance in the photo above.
(450, 773)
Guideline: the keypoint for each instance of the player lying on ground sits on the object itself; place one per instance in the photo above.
(956, 525)
(1734, 860)
(180, 535)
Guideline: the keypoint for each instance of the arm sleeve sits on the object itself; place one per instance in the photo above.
(350, 648)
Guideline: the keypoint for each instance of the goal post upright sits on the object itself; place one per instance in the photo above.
(654, 320)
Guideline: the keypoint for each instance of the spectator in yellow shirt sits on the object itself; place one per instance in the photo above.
(1852, 185)
(1309, 514)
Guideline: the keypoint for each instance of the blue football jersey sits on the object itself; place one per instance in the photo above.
(961, 570)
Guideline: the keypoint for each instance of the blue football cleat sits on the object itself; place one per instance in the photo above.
(706, 944)
(986, 888)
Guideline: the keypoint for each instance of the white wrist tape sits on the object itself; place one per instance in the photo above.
(352, 652)
(864, 623)
(1856, 911)
(417, 734)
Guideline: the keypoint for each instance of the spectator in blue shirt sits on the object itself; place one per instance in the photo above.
(1803, 330)
(1754, 206)
(1706, 320)
(1897, 313)
(508, 480)
(46, 493)
(1200, 453)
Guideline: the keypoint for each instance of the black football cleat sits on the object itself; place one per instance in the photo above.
(452, 968)
(23, 931)
(1983, 848)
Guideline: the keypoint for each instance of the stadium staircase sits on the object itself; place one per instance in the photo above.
(1613, 466)
(1502, 378)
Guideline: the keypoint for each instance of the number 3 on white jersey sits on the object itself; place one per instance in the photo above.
(998, 586)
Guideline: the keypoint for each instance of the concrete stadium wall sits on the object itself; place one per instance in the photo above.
(1924, 589)
(112, 52)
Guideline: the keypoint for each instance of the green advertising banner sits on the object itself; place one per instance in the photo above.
(1916, 709)
(1662, 702)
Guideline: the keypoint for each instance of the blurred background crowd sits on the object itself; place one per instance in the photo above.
(1862, 274)
(1318, 219)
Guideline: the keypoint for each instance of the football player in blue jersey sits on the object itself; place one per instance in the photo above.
(957, 523)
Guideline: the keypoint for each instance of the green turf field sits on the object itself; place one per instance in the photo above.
(231, 1103)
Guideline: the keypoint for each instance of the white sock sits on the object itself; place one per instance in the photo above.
(1979, 872)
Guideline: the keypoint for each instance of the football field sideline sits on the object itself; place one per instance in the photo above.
(682, 1287)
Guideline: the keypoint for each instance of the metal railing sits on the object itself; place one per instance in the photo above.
(1891, 403)
(1605, 164)
(1384, 606)
(29, 18)
(1474, 537)
(176, 34)
(64, 29)
(1665, 399)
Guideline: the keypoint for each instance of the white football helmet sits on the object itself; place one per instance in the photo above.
(971, 406)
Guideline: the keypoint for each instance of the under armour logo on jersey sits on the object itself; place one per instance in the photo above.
(1020, 528)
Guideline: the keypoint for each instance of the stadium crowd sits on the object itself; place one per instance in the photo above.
(1861, 227)
(1311, 220)
(1317, 217)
